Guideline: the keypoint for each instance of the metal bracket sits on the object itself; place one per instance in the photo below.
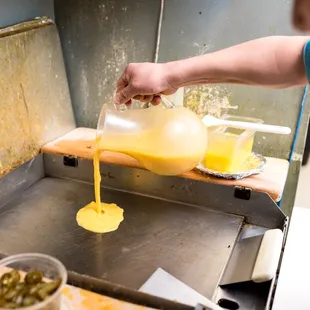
(70, 161)
(243, 192)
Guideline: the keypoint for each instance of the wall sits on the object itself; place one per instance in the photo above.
(35, 105)
(99, 38)
(15, 11)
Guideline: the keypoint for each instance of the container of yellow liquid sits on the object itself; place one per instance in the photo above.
(229, 148)
(165, 141)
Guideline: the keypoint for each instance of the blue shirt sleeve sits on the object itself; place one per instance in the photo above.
(306, 56)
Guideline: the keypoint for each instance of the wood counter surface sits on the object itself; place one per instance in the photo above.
(80, 142)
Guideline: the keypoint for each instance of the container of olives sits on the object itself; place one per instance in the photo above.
(31, 282)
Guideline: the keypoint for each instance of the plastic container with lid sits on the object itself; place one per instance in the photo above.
(228, 148)
(51, 269)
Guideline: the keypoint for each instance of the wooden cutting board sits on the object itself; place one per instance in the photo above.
(81, 143)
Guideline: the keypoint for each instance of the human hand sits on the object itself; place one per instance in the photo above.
(144, 82)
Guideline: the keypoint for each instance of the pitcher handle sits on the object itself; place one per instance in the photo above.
(164, 100)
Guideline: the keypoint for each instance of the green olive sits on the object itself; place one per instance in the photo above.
(10, 279)
(7, 280)
(33, 289)
(10, 294)
(22, 291)
(33, 277)
(15, 294)
(15, 276)
(3, 290)
(18, 299)
(48, 289)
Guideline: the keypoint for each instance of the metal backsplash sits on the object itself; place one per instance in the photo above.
(99, 39)
(16, 11)
(35, 105)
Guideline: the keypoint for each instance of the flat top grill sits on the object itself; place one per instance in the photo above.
(189, 242)
(188, 227)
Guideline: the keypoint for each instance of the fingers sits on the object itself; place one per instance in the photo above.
(144, 98)
(123, 96)
(122, 81)
(156, 100)
(153, 99)
(124, 92)
(144, 82)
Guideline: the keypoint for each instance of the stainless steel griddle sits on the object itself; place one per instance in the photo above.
(189, 228)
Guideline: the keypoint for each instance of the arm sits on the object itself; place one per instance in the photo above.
(275, 62)
(272, 61)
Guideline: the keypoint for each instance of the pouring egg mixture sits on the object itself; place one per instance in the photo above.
(166, 148)
(97, 216)
(100, 217)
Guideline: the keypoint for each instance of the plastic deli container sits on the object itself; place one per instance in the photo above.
(228, 148)
(51, 269)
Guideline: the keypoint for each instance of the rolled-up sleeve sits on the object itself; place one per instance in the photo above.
(306, 56)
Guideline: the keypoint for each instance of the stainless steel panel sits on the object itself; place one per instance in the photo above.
(189, 242)
(21, 178)
(35, 105)
(248, 295)
(99, 38)
(259, 210)
(15, 11)
(242, 261)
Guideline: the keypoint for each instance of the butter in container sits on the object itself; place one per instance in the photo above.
(229, 148)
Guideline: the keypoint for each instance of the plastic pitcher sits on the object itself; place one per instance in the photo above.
(165, 141)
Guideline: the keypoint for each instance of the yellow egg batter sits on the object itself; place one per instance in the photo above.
(227, 152)
(162, 156)
(97, 216)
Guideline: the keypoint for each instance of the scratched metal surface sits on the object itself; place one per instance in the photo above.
(15, 11)
(194, 246)
(99, 38)
(35, 105)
